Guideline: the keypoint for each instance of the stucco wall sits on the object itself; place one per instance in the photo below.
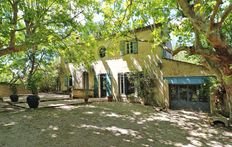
(5, 90)
(149, 58)
(171, 68)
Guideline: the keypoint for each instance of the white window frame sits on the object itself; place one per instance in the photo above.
(122, 81)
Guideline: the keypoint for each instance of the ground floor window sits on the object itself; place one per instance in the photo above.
(193, 93)
(124, 84)
(68, 81)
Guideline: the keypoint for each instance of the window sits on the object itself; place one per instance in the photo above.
(128, 47)
(167, 54)
(193, 93)
(173, 91)
(125, 86)
(183, 92)
(102, 52)
(70, 81)
(85, 80)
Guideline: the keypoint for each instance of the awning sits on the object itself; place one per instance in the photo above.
(186, 80)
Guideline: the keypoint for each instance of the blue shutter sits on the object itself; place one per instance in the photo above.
(135, 47)
(95, 86)
(164, 53)
(186, 80)
(108, 85)
(122, 47)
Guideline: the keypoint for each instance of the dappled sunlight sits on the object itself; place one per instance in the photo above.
(127, 140)
(214, 144)
(51, 131)
(196, 133)
(56, 105)
(195, 141)
(120, 124)
(115, 115)
(67, 107)
(70, 106)
(9, 124)
(88, 112)
(196, 125)
(227, 134)
(27, 117)
(54, 128)
(136, 64)
(115, 130)
(74, 100)
(145, 145)
(156, 116)
(137, 113)
(53, 135)
(110, 114)
(63, 106)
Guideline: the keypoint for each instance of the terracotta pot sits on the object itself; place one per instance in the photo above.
(110, 98)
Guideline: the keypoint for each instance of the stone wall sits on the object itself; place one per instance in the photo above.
(5, 90)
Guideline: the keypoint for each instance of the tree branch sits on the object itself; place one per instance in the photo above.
(197, 39)
(20, 29)
(9, 50)
(199, 51)
(225, 14)
(187, 9)
(14, 19)
(215, 11)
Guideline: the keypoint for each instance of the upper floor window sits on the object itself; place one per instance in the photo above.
(167, 54)
(128, 47)
(102, 52)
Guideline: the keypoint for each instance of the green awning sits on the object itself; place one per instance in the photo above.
(186, 80)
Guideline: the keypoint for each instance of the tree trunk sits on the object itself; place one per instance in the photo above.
(229, 99)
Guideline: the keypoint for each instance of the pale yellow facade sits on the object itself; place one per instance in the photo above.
(148, 57)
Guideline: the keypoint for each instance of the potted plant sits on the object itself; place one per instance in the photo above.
(14, 97)
(33, 100)
(110, 98)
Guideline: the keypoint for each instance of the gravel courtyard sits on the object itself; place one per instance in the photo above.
(107, 124)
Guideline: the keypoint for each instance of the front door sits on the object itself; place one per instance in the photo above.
(103, 85)
(86, 83)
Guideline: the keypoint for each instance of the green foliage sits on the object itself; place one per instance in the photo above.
(13, 89)
(32, 84)
(17, 68)
(144, 83)
(183, 56)
(48, 24)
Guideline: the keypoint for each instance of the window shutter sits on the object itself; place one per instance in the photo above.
(122, 48)
(126, 85)
(70, 81)
(66, 81)
(135, 47)
(119, 84)
(108, 85)
(95, 86)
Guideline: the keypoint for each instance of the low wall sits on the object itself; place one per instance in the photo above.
(80, 93)
(5, 90)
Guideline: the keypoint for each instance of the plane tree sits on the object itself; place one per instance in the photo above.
(45, 27)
